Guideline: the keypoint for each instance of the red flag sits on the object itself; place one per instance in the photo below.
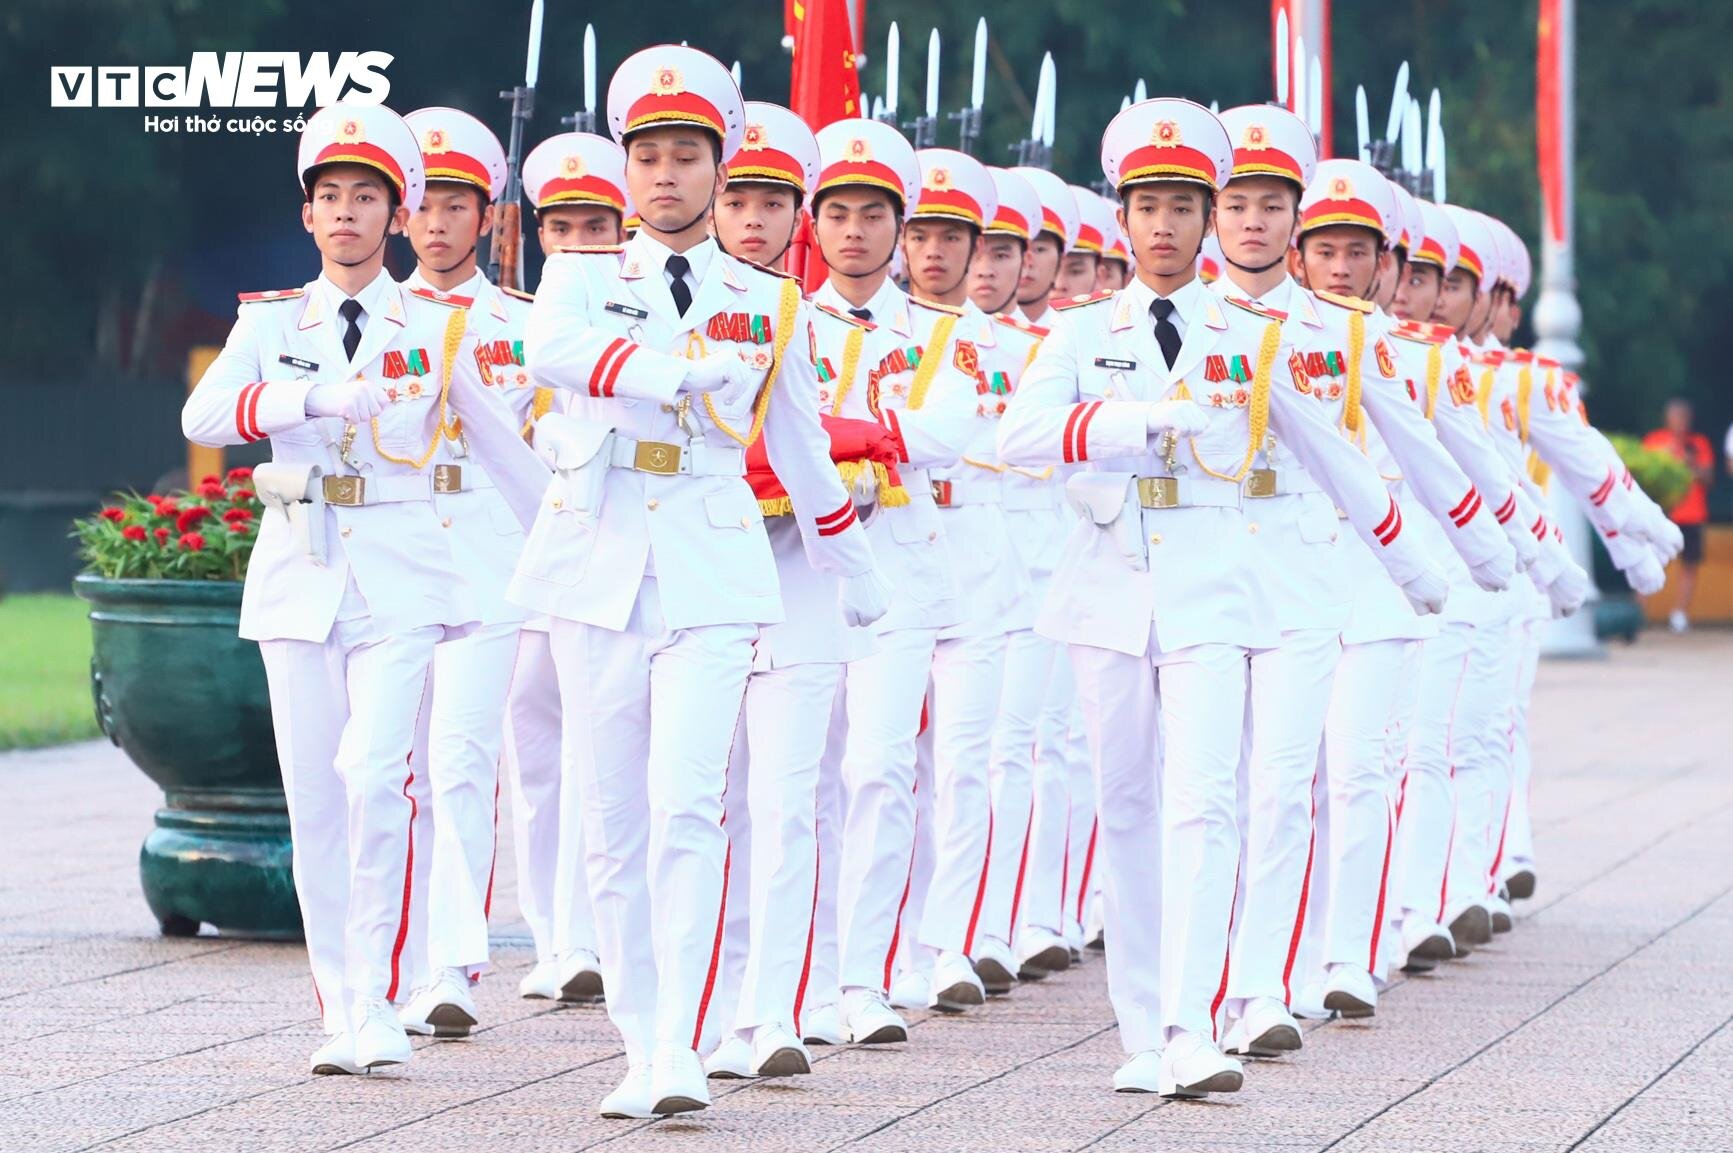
(1549, 99)
(824, 88)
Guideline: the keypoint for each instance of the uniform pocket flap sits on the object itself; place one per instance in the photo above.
(1100, 497)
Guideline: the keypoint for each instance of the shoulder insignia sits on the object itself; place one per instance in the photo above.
(831, 310)
(1080, 301)
(450, 299)
(1490, 358)
(1421, 332)
(270, 294)
(1256, 309)
(776, 272)
(1022, 325)
(591, 249)
(1350, 302)
(935, 306)
(518, 294)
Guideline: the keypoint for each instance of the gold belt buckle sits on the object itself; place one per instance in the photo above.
(1158, 491)
(1261, 483)
(447, 478)
(942, 493)
(656, 457)
(348, 491)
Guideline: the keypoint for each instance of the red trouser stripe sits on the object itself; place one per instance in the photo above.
(980, 890)
(1305, 894)
(811, 932)
(1022, 868)
(1215, 1005)
(408, 889)
(1088, 864)
(715, 951)
(1383, 888)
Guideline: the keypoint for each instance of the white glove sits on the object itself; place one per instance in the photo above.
(1661, 532)
(1427, 592)
(1496, 574)
(1645, 574)
(1523, 541)
(356, 401)
(1183, 417)
(721, 373)
(1569, 590)
(864, 598)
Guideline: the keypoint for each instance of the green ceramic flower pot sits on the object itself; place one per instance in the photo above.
(185, 698)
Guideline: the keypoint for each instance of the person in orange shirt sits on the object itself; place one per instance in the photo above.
(1676, 436)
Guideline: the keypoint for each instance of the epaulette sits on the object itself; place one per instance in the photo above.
(1422, 332)
(519, 294)
(1490, 358)
(270, 294)
(935, 306)
(1349, 302)
(776, 272)
(1022, 325)
(1522, 356)
(447, 298)
(832, 310)
(1256, 309)
(1080, 301)
(590, 249)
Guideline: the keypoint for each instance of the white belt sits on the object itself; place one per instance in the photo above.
(665, 458)
(956, 493)
(1268, 483)
(348, 491)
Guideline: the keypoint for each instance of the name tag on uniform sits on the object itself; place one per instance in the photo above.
(297, 362)
(625, 310)
(1121, 365)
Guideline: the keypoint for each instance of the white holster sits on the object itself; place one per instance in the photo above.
(296, 491)
(1109, 501)
(578, 451)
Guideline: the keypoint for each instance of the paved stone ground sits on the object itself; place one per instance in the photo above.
(1601, 1023)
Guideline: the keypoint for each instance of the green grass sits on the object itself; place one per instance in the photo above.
(44, 671)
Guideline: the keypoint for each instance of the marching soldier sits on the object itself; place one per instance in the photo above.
(1059, 229)
(576, 182)
(649, 551)
(1079, 271)
(357, 575)
(996, 272)
(901, 373)
(1164, 479)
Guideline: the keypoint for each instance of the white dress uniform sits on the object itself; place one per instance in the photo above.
(1060, 220)
(547, 820)
(1130, 615)
(889, 376)
(356, 575)
(651, 557)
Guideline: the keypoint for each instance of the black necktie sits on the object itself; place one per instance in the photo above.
(1166, 334)
(350, 310)
(678, 266)
(865, 314)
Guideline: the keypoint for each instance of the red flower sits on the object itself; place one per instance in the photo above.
(239, 474)
(161, 532)
(242, 494)
(168, 506)
(114, 514)
(239, 526)
(193, 542)
(211, 478)
(238, 515)
(213, 489)
(133, 532)
(191, 517)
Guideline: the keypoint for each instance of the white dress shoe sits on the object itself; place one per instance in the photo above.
(956, 989)
(870, 1020)
(1141, 1074)
(778, 1053)
(443, 1009)
(1265, 1029)
(732, 1060)
(1425, 943)
(993, 965)
(1040, 952)
(677, 1081)
(1349, 990)
(336, 1056)
(1502, 921)
(823, 1026)
(380, 1040)
(631, 1101)
(911, 989)
(541, 983)
(1470, 928)
(1193, 1067)
(1307, 1002)
(580, 976)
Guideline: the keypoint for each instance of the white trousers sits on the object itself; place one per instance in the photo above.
(1459, 689)
(968, 673)
(1012, 767)
(883, 694)
(1168, 840)
(1518, 839)
(773, 797)
(463, 728)
(1483, 796)
(650, 715)
(911, 955)
(822, 986)
(1290, 697)
(345, 712)
(1362, 771)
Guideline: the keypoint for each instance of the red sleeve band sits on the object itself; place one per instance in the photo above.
(836, 522)
(1391, 526)
(1465, 510)
(247, 412)
(598, 375)
(1599, 496)
(1507, 509)
(1074, 442)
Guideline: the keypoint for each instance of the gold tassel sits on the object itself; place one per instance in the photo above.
(1524, 391)
(1356, 348)
(851, 347)
(1434, 373)
(1483, 398)
(929, 366)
